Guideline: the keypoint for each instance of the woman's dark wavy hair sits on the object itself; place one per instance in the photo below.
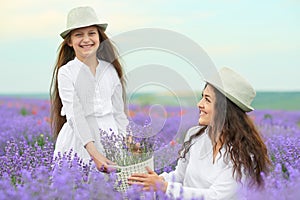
(106, 52)
(241, 139)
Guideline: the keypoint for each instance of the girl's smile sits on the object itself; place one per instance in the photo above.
(85, 42)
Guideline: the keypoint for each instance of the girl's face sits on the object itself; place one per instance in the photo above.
(207, 106)
(85, 42)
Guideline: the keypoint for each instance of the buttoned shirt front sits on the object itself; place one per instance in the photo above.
(85, 97)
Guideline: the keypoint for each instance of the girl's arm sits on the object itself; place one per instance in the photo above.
(73, 110)
(101, 161)
(72, 107)
(118, 109)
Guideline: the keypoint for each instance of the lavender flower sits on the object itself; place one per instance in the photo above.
(135, 147)
(28, 170)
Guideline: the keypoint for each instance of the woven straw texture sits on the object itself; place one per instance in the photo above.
(126, 171)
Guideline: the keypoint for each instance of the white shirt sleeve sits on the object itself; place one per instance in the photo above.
(72, 107)
(224, 187)
(178, 174)
(118, 109)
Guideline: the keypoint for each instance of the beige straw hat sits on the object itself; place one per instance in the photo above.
(81, 17)
(234, 87)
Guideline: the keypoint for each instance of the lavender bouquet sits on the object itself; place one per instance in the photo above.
(131, 152)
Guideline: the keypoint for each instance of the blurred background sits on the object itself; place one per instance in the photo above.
(258, 39)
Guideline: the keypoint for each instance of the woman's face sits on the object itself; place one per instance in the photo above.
(207, 106)
(85, 42)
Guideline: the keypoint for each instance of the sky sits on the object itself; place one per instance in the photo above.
(258, 39)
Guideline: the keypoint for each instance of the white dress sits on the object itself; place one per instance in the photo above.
(89, 103)
(198, 176)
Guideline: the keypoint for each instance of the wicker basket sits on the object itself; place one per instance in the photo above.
(126, 171)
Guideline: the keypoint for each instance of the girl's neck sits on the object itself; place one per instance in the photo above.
(91, 62)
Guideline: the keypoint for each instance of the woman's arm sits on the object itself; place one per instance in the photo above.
(149, 182)
(224, 187)
(152, 181)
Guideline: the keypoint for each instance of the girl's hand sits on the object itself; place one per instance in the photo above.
(101, 161)
(149, 182)
(103, 164)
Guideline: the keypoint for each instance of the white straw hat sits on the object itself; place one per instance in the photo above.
(81, 17)
(234, 87)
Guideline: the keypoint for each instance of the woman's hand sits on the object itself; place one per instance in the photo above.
(102, 163)
(150, 181)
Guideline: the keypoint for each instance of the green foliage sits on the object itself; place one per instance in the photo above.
(272, 157)
(24, 111)
(268, 116)
(40, 140)
(285, 171)
(13, 180)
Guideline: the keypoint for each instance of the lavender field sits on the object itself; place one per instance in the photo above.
(27, 169)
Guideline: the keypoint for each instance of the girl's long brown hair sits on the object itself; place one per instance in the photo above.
(241, 139)
(107, 52)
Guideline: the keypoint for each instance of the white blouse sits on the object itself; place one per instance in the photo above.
(85, 97)
(197, 176)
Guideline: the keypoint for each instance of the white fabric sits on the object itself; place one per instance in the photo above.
(197, 176)
(89, 103)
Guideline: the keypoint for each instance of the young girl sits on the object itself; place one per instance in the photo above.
(224, 152)
(87, 89)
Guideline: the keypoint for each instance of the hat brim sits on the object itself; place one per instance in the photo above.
(66, 32)
(235, 100)
(239, 103)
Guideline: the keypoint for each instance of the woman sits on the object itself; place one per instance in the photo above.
(87, 89)
(224, 152)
